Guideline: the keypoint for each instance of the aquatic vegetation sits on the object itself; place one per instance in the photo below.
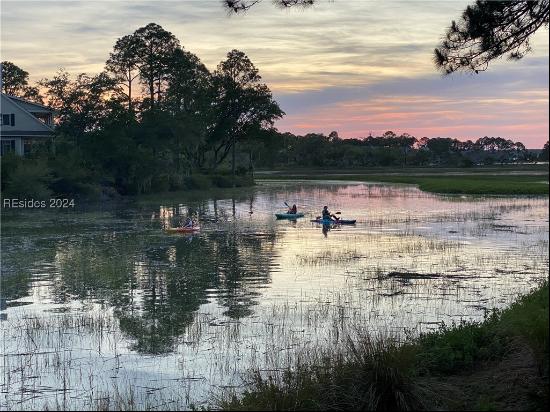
(381, 373)
(481, 182)
(103, 310)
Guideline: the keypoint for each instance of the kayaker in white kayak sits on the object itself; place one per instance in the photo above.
(329, 216)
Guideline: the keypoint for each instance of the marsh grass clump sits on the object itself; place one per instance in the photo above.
(364, 374)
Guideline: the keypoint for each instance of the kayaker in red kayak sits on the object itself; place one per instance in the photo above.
(329, 216)
(189, 223)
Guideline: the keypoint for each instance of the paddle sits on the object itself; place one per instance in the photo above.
(289, 208)
(336, 213)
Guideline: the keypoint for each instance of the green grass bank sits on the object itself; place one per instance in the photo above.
(489, 181)
(498, 364)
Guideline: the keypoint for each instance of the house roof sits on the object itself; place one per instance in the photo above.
(39, 106)
(31, 125)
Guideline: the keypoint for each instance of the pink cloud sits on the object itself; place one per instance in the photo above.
(524, 118)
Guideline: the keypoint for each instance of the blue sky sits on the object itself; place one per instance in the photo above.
(351, 66)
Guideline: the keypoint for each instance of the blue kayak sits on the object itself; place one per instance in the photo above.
(335, 222)
(288, 215)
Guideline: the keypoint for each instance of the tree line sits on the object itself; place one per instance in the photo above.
(389, 149)
(152, 120)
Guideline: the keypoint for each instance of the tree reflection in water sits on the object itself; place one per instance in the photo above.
(157, 288)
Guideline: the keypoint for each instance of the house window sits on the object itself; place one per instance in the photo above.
(5, 120)
(27, 146)
(8, 146)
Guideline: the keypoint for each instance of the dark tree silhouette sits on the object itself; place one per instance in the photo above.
(81, 103)
(489, 30)
(154, 48)
(237, 6)
(244, 104)
(123, 64)
(544, 154)
(15, 81)
(14, 78)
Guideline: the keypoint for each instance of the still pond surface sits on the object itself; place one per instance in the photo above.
(103, 309)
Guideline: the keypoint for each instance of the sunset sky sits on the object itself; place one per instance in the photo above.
(357, 67)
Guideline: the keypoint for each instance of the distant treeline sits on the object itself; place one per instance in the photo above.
(390, 149)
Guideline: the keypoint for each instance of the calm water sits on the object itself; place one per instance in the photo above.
(102, 308)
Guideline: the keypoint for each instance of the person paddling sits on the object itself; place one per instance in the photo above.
(327, 215)
(292, 210)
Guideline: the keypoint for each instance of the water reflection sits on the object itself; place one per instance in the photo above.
(156, 289)
(411, 261)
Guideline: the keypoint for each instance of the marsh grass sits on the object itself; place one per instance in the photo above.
(384, 374)
(365, 374)
(465, 183)
(318, 356)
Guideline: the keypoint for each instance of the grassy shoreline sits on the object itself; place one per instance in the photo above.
(482, 181)
(500, 363)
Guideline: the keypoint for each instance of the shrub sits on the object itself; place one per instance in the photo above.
(528, 318)
(222, 181)
(241, 171)
(160, 183)
(72, 176)
(29, 179)
(460, 346)
(227, 181)
(195, 182)
(176, 182)
(9, 163)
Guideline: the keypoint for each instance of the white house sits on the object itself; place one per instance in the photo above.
(22, 124)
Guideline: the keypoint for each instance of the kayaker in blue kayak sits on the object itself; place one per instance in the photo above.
(329, 216)
(292, 210)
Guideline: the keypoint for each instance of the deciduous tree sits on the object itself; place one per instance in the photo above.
(242, 102)
(15, 81)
